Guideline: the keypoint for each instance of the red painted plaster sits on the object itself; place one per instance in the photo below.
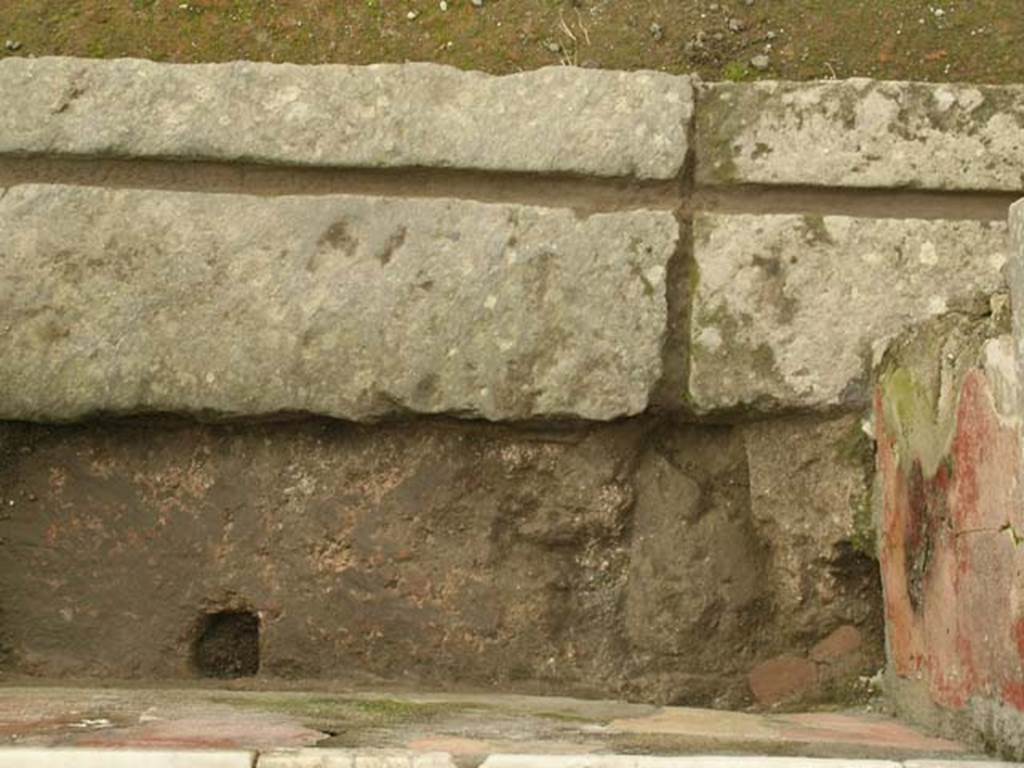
(949, 564)
(1018, 636)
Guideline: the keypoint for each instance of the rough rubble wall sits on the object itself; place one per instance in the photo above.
(597, 559)
(556, 381)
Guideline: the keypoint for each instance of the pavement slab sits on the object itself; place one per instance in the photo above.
(419, 729)
(37, 757)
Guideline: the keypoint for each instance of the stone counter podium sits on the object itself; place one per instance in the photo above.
(570, 381)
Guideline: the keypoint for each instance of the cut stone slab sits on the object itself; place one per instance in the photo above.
(29, 757)
(862, 133)
(788, 309)
(353, 758)
(500, 724)
(553, 120)
(847, 735)
(696, 761)
(127, 301)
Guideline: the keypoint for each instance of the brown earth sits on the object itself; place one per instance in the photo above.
(936, 40)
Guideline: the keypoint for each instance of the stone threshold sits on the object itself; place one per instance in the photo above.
(41, 757)
(229, 724)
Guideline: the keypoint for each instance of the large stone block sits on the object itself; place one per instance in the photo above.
(787, 310)
(810, 509)
(862, 133)
(554, 120)
(123, 301)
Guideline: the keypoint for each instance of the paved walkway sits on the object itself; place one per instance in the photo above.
(39, 757)
(222, 728)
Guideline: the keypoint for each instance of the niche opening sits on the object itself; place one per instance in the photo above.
(227, 645)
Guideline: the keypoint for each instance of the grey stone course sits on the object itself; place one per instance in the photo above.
(126, 301)
(553, 120)
(862, 133)
(789, 310)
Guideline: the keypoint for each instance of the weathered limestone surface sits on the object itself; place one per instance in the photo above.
(862, 133)
(557, 119)
(787, 310)
(354, 307)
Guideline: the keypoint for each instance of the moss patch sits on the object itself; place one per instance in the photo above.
(815, 231)
(736, 72)
(921, 379)
(349, 712)
(865, 535)
(715, 132)
(908, 398)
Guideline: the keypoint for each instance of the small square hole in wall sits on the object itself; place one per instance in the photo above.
(227, 645)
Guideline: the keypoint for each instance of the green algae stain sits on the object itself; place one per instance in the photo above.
(815, 231)
(352, 711)
(908, 400)
(855, 449)
(865, 535)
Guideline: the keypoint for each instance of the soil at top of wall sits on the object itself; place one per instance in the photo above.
(935, 40)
